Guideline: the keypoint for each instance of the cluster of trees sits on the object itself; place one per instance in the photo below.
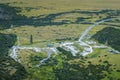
(78, 68)
(80, 71)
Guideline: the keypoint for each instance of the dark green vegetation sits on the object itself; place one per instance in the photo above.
(64, 67)
(8, 15)
(81, 71)
(6, 42)
(9, 69)
(109, 36)
(80, 68)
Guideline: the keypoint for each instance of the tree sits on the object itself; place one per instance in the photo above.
(31, 39)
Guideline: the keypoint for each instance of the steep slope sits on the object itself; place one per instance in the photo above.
(9, 69)
(109, 36)
(6, 42)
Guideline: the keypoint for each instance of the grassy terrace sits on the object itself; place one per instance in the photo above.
(48, 33)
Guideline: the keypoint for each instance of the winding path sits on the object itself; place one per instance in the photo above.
(15, 52)
(87, 48)
(90, 49)
(93, 25)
